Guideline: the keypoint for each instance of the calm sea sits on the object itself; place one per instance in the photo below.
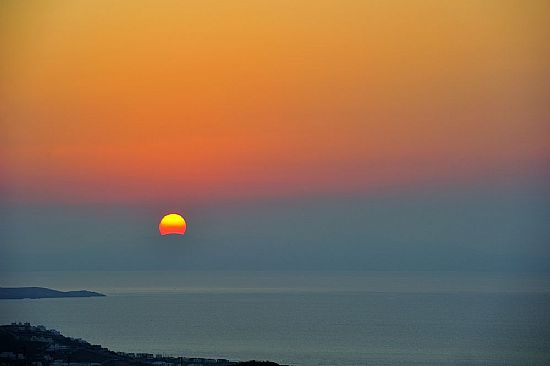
(302, 318)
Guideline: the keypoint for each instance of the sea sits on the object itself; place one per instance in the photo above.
(301, 318)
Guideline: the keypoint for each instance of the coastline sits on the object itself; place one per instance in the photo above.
(23, 344)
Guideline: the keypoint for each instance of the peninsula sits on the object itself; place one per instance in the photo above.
(23, 344)
(42, 292)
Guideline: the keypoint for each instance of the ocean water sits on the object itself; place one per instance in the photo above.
(302, 318)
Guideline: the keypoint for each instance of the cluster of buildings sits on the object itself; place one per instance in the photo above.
(22, 344)
(163, 360)
(25, 344)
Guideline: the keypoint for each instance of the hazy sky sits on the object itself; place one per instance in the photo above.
(291, 134)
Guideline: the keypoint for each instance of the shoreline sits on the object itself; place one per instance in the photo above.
(23, 343)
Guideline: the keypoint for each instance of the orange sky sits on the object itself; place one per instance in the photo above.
(140, 100)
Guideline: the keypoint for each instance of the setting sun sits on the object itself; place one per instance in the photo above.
(172, 224)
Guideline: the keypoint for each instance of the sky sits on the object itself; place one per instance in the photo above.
(399, 135)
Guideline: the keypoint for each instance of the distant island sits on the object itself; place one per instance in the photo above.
(42, 292)
(23, 344)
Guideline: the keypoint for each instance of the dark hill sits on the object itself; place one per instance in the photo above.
(22, 344)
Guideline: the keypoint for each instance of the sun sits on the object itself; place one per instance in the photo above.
(172, 224)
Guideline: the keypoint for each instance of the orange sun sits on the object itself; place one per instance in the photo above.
(172, 224)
